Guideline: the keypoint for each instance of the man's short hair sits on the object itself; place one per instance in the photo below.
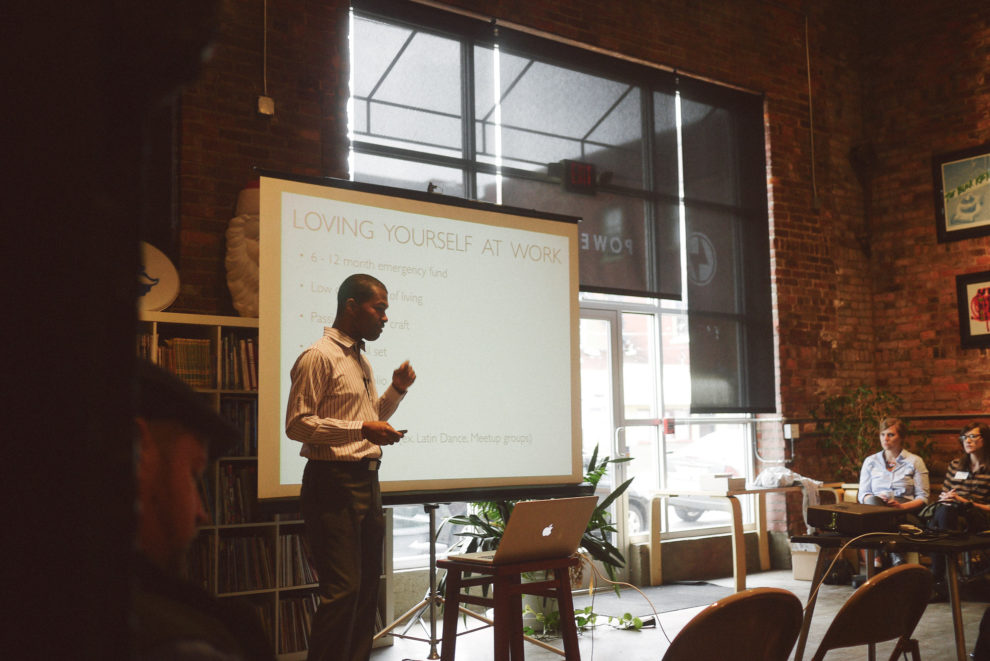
(360, 287)
(160, 395)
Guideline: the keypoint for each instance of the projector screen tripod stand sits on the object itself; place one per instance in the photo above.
(430, 601)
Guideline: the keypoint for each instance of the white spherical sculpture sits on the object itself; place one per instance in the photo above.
(242, 253)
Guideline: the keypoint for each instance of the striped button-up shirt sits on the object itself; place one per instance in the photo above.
(333, 392)
(969, 485)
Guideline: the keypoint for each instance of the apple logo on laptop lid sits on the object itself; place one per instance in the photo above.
(548, 530)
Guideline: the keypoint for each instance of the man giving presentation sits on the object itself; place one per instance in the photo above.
(334, 410)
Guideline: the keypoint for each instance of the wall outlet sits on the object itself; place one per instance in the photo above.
(266, 106)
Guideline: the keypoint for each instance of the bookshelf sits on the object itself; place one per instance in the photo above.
(245, 553)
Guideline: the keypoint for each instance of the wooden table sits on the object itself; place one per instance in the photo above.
(738, 541)
(950, 546)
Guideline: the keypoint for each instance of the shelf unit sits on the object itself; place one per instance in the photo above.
(245, 553)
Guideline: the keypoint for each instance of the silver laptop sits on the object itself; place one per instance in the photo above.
(538, 530)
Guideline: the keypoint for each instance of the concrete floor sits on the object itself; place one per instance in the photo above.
(934, 632)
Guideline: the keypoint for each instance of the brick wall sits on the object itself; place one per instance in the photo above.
(924, 90)
(223, 138)
(923, 101)
(862, 298)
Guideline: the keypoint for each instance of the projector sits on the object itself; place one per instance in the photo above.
(854, 519)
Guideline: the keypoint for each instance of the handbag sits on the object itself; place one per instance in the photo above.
(927, 513)
(948, 517)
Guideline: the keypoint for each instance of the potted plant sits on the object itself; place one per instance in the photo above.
(850, 424)
(486, 520)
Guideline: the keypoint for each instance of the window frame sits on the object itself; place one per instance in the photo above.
(471, 33)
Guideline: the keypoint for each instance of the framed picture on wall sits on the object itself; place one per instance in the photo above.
(973, 296)
(962, 193)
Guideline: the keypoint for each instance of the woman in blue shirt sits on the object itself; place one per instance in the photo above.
(894, 476)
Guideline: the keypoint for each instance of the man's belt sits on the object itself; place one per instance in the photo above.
(360, 464)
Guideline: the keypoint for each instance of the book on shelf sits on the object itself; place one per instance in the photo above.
(245, 564)
(306, 572)
(242, 412)
(244, 383)
(189, 359)
(226, 376)
(239, 494)
(295, 619)
(294, 565)
(230, 377)
(239, 362)
(237, 368)
(266, 613)
(252, 363)
(202, 554)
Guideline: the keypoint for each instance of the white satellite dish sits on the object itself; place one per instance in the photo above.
(158, 281)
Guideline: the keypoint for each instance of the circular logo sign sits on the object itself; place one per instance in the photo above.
(702, 262)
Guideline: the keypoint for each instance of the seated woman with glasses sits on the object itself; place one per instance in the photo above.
(964, 503)
(966, 488)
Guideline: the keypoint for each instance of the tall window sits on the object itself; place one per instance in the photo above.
(635, 371)
(451, 105)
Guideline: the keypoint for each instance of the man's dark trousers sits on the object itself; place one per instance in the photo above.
(342, 508)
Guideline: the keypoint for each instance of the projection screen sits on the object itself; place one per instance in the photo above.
(483, 301)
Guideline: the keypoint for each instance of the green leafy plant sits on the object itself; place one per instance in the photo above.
(585, 618)
(597, 536)
(851, 425)
(485, 523)
(549, 621)
(924, 447)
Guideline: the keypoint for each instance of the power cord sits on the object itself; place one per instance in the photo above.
(828, 570)
(906, 531)
(591, 589)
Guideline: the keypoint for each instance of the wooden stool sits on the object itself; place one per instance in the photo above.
(506, 598)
